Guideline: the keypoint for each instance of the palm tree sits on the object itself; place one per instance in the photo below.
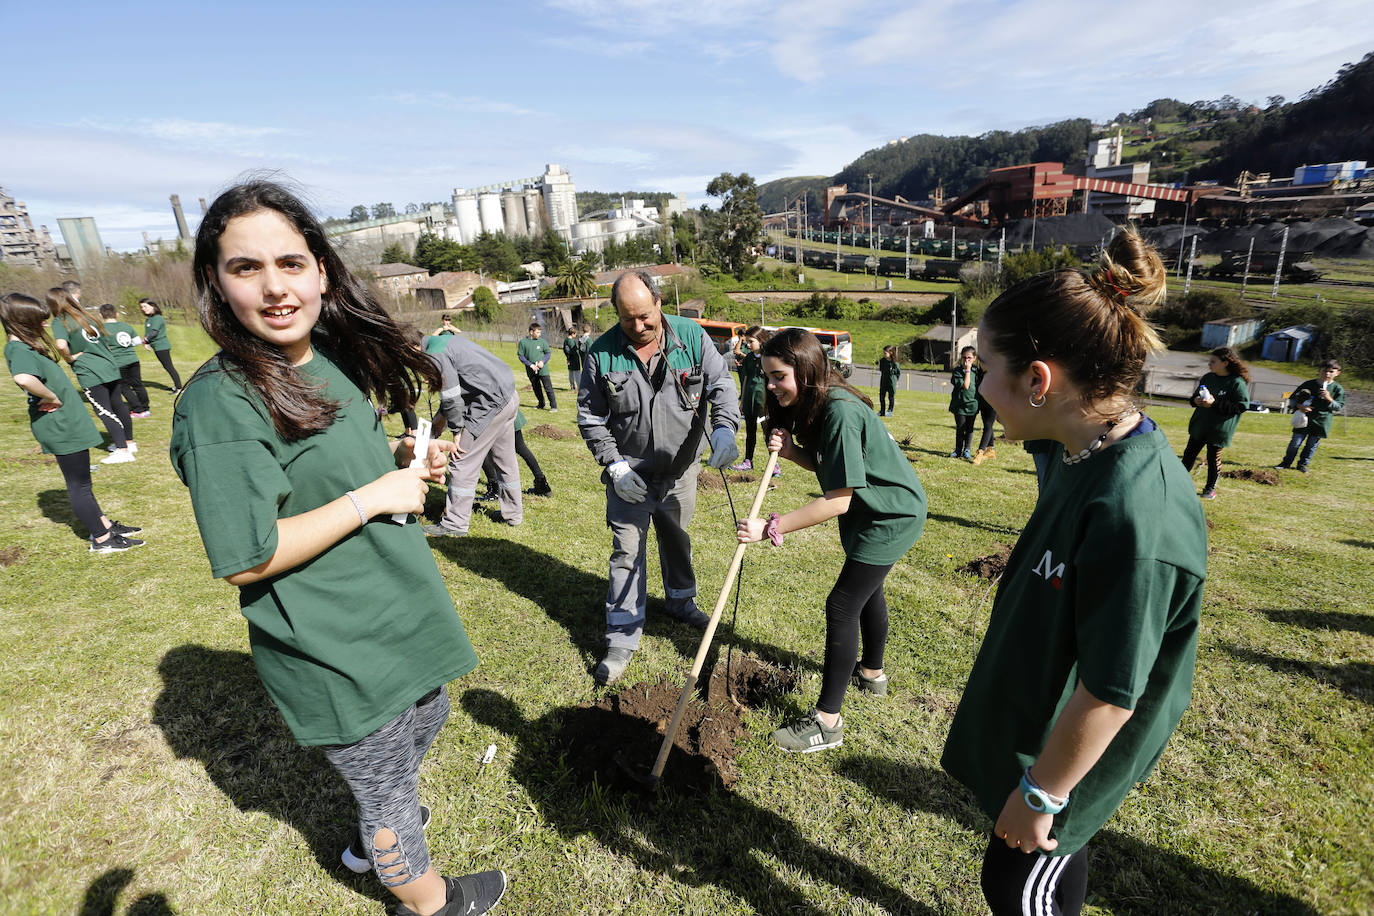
(574, 280)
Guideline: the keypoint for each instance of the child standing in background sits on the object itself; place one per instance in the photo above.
(963, 402)
(1221, 396)
(889, 371)
(123, 340)
(83, 344)
(155, 339)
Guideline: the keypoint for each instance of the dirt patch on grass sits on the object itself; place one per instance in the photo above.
(709, 479)
(1258, 475)
(10, 555)
(621, 733)
(990, 566)
(549, 431)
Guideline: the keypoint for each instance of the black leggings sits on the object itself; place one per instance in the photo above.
(165, 357)
(1016, 882)
(113, 411)
(751, 434)
(1190, 453)
(76, 474)
(887, 397)
(856, 607)
(963, 431)
(521, 449)
(989, 418)
(131, 380)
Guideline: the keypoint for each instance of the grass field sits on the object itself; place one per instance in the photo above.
(145, 770)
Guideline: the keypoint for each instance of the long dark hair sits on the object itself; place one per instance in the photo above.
(815, 379)
(63, 305)
(1232, 359)
(23, 316)
(157, 309)
(1091, 322)
(352, 326)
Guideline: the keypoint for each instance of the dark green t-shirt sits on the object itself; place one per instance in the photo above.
(888, 508)
(1216, 423)
(94, 365)
(889, 371)
(63, 431)
(751, 384)
(435, 343)
(963, 401)
(1319, 420)
(533, 351)
(120, 338)
(155, 333)
(345, 641)
(1104, 586)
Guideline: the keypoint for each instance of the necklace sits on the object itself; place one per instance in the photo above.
(1096, 444)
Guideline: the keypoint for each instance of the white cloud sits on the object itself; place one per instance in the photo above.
(445, 101)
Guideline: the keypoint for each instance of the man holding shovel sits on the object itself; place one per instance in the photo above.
(642, 406)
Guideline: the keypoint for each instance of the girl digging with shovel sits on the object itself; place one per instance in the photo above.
(870, 486)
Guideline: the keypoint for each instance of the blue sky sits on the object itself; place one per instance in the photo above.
(365, 102)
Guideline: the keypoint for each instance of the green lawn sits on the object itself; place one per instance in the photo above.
(145, 771)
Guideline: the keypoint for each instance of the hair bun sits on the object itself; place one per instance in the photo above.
(1130, 268)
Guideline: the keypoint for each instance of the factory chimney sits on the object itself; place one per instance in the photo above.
(203, 208)
(182, 229)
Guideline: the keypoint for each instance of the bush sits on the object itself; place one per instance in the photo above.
(484, 304)
(1195, 309)
(1352, 342)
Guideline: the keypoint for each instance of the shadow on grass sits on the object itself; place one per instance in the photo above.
(1367, 545)
(576, 600)
(693, 839)
(213, 709)
(1323, 620)
(103, 894)
(1125, 875)
(56, 507)
(974, 523)
(1355, 679)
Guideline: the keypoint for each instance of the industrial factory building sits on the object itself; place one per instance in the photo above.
(20, 244)
(520, 207)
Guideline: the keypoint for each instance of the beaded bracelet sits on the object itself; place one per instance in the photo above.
(362, 515)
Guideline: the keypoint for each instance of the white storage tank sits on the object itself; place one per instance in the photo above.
(586, 236)
(535, 217)
(489, 209)
(621, 229)
(513, 213)
(465, 212)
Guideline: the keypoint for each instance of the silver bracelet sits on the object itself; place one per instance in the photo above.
(362, 516)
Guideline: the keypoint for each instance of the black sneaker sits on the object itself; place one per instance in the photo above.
(355, 858)
(541, 488)
(119, 527)
(488, 497)
(468, 895)
(115, 543)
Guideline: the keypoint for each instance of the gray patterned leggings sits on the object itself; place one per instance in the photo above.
(382, 770)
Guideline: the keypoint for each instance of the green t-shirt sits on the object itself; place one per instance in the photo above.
(533, 351)
(155, 332)
(751, 384)
(1216, 424)
(1104, 586)
(889, 371)
(63, 431)
(963, 401)
(120, 338)
(888, 508)
(94, 364)
(1319, 420)
(345, 641)
(436, 343)
(520, 420)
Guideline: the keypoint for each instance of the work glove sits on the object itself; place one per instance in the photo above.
(724, 451)
(629, 486)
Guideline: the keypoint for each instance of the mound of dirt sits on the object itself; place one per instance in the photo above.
(1258, 475)
(990, 566)
(1073, 229)
(621, 733)
(549, 431)
(10, 555)
(709, 479)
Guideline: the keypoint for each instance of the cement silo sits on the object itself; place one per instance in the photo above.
(465, 212)
(560, 198)
(586, 236)
(489, 208)
(535, 217)
(513, 213)
(621, 229)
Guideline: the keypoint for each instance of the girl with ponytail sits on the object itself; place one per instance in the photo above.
(81, 341)
(1094, 628)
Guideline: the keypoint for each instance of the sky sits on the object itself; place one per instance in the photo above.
(361, 103)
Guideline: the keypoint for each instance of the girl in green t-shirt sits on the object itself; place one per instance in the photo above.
(81, 341)
(294, 487)
(59, 421)
(889, 371)
(155, 339)
(1087, 663)
(868, 484)
(963, 401)
(1219, 399)
(746, 348)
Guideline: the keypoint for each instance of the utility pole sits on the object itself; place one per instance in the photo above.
(908, 251)
(1245, 277)
(871, 249)
(1001, 250)
(1186, 202)
(1278, 268)
(1192, 255)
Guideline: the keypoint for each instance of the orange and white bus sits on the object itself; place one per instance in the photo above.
(722, 333)
(836, 344)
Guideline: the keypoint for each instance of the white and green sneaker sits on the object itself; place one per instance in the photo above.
(809, 734)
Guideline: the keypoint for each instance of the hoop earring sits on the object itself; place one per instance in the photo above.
(1042, 401)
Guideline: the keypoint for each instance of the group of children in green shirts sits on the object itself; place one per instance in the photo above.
(1084, 672)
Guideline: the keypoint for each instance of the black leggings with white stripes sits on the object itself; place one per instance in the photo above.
(113, 411)
(1033, 884)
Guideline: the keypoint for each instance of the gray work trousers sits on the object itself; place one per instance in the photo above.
(670, 509)
(498, 439)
